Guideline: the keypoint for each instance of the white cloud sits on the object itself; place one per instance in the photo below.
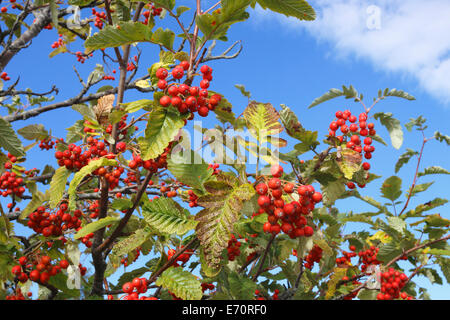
(410, 37)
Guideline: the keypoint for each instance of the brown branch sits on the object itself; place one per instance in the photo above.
(263, 259)
(169, 263)
(127, 216)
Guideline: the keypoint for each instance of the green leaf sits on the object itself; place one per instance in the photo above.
(163, 37)
(332, 191)
(216, 24)
(393, 126)
(241, 288)
(162, 127)
(433, 170)
(388, 252)
(58, 185)
(349, 162)
(419, 188)
(167, 216)
(391, 188)
(418, 123)
(181, 283)
(134, 106)
(444, 263)
(399, 94)
(79, 176)
(299, 9)
(130, 243)
(223, 207)
(9, 140)
(243, 91)
(333, 93)
(365, 294)
(86, 112)
(262, 120)
(397, 224)
(124, 33)
(291, 123)
(96, 75)
(94, 226)
(442, 137)
(430, 205)
(33, 132)
(37, 199)
(166, 4)
(121, 11)
(404, 158)
(189, 168)
(75, 132)
(181, 10)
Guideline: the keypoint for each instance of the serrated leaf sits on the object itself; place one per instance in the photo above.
(262, 119)
(391, 188)
(430, 205)
(166, 216)
(393, 126)
(162, 127)
(79, 176)
(33, 132)
(349, 161)
(181, 283)
(404, 158)
(241, 88)
(94, 226)
(37, 199)
(58, 185)
(299, 9)
(124, 33)
(331, 94)
(131, 242)
(216, 24)
(9, 140)
(337, 275)
(399, 94)
(365, 294)
(163, 37)
(191, 170)
(442, 137)
(397, 224)
(332, 191)
(388, 252)
(241, 288)
(135, 106)
(216, 222)
(433, 170)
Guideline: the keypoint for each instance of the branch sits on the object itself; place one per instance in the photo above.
(210, 57)
(255, 277)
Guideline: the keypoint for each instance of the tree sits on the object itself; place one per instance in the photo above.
(267, 229)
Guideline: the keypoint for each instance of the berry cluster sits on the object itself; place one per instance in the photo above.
(73, 158)
(192, 199)
(58, 43)
(37, 268)
(46, 144)
(354, 132)
(215, 168)
(207, 286)
(289, 218)
(183, 258)
(11, 183)
(186, 98)
(86, 240)
(354, 282)
(53, 224)
(137, 253)
(313, 256)
(392, 282)
(100, 18)
(5, 76)
(134, 288)
(233, 248)
(18, 295)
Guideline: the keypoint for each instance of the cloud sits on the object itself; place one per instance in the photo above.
(409, 37)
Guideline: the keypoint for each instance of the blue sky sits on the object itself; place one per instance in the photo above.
(292, 63)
